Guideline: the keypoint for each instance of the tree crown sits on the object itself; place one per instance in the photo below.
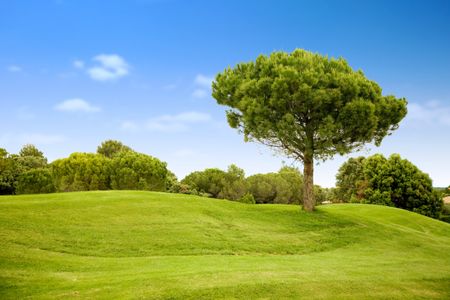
(306, 104)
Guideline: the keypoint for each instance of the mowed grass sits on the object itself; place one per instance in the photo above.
(143, 245)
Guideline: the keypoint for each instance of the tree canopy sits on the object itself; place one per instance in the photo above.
(389, 181)
(307, 106)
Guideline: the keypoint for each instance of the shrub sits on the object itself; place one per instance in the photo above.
(35, 181)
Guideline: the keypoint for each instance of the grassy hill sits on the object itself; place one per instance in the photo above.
(121, 244)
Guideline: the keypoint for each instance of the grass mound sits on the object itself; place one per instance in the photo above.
(122, 244)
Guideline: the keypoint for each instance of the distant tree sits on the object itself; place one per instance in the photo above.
(81, 172)
(392, 181)
(137, 171)
(247, 198)
(35, 181)
(9, 172)
(30, 150)
(234, 185)
(306, 105)
(350, 180)
(284, 187)
(110, 148)
(30, 158)
(210, 181)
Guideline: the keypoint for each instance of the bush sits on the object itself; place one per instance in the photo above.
(247, 198)
(130, 170)
(81, 172)
(392, 182)
(35, 181)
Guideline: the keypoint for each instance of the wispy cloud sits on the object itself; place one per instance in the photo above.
(78, 64)
(76, 105)
(203, 86)
(431, 113)
(167, 123)
(176, 123)
(109, 67)
(204, 81)
(14, 69)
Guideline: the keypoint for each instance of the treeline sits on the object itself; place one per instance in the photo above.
(118, 167)
(389, 181)
(114, 166)
(283, 187)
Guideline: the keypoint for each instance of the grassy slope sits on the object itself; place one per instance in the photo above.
(155, 245)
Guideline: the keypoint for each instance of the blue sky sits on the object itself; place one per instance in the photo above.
(75, 73)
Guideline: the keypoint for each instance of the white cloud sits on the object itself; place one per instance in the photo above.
(176, 123)
(203, 84)
(14, 69)
(78, 64)
(110, 67)
(203, 81)
(188, 117)
(76, 105)
(432, 112)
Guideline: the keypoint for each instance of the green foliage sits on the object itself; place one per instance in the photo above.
(81, 172)
(130, 170)
(284, 187)
(307, 106)
(209, 181)
(247, 198)
(392, 182)
(110, 148)
(9, 170)
(16, 170)
(30, 150)
(35, 181)
(350, 181)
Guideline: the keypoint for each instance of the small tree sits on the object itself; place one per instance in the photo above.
(306, 105)
(110, 148)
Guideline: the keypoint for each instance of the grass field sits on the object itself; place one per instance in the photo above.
(143, 245)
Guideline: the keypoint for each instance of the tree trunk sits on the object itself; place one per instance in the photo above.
(308, 184)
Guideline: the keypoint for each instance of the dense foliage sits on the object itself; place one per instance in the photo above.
(115, 166)
(389, 181)
(307, 106)
(284, 186)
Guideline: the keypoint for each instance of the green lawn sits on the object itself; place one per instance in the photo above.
(121, 244)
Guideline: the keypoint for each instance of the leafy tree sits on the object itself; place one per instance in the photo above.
(9, 171)
(247, 198)
(234, 185)
(30, 150)
(136, 171)
(350, 180)
(81, 172)
(30, 158)
(110, 148)
(306, 105)
(210, 181)
(35, 181)
(391, 181)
